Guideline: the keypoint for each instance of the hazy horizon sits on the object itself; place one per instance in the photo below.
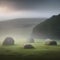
(11, 9)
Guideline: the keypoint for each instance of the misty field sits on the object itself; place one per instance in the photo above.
(41, 51)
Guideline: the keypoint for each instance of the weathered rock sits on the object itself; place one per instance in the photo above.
(50, 42)
(8, 41)
(28, 46)
(31, 40)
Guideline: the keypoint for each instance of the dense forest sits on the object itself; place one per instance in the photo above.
(49, 28)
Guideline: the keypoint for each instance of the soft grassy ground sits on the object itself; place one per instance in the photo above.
(41, 52)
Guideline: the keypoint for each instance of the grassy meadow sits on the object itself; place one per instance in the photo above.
(40, 52)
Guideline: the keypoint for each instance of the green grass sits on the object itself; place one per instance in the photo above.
(41, 51)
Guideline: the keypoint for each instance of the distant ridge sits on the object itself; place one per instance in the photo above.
(20, 23)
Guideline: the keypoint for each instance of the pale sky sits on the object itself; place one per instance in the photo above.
(11, 9)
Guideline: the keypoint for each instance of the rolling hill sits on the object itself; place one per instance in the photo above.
(50, 28)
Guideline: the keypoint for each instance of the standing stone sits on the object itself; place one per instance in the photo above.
(8, 41)
(50, 42)
(28, 46)
(31, 40)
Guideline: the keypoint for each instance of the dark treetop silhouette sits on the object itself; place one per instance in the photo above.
(50, 28)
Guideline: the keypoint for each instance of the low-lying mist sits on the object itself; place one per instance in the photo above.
(19, 29)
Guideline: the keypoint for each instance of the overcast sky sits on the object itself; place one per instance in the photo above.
(28, 8)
